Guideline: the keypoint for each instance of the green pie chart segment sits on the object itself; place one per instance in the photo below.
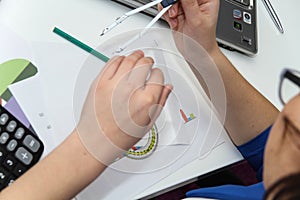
(14, 71)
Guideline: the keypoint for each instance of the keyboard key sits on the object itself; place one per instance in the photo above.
(10, 180)
(244, 2)
(9, 163)
(20, 149)
(12, 145)
(19, 170)
(3, 119)
(11, 126)
(2, 154)
(3, 176)
(31, 143)
(4, 137)
(24, 156)
(19, 133)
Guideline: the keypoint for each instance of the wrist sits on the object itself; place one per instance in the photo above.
(79, 152)
(214, 51)
(98, 145)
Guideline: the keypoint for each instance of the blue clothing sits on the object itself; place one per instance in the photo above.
(253, 152)
(230, 192)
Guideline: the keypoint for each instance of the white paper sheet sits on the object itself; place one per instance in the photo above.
(12, 45)
(30, 95)
(130, 177)
(66, 74)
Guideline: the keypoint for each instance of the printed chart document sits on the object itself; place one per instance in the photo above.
(187, 128)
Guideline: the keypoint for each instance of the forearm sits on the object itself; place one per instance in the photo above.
(248, 112)
(61, 175)
(103, 137)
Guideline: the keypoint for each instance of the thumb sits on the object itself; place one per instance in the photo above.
(190, 9)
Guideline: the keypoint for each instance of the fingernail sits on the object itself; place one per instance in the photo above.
(139, 52)
(171, 12)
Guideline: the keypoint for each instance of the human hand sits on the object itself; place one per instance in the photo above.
(122, 105)
(196, 19)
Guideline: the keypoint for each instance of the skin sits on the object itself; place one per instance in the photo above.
(248, 112)
(197, 19)
(283, 145)
(71, 167)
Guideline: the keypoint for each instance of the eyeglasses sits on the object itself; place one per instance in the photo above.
(289, 85)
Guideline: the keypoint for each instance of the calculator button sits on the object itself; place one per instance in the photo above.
(3, 119)
(19, 133)
(10, 163)
(19, 170)
(2, 154)
(11, 126)
(3, 176)
(31, 143)
(4, 137)
(10, 180)
(12, 145)
(24, 156)
(244, 2)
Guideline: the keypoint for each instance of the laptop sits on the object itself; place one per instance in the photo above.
(236, 27)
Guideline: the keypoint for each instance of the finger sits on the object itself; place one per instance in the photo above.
(173, 22)
(180, 10)
(128, 63)
(165, 94)
(170, 16)
(112, 67)
(175, 16)
(154, 87)
(165, 16)
(176, 23)
(190, 9)
(140, 72)
(155, 110)
(159, 7)
(173, 11)
(155, 82)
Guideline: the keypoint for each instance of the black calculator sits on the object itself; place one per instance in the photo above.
(20, 148)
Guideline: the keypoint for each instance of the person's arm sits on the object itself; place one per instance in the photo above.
(248, 112)
(128, 83)
(58, 175)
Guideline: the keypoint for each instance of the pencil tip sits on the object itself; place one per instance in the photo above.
(104, 31)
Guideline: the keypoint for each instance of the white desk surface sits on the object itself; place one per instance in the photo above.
(34, 20)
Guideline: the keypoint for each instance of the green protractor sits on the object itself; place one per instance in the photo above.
(142, 152)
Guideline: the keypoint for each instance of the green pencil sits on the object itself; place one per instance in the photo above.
(80, 44)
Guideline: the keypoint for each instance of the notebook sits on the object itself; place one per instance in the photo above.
(236, 28)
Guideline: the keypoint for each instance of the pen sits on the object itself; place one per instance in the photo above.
(80, 44)
(273, 15)
(166, 4)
